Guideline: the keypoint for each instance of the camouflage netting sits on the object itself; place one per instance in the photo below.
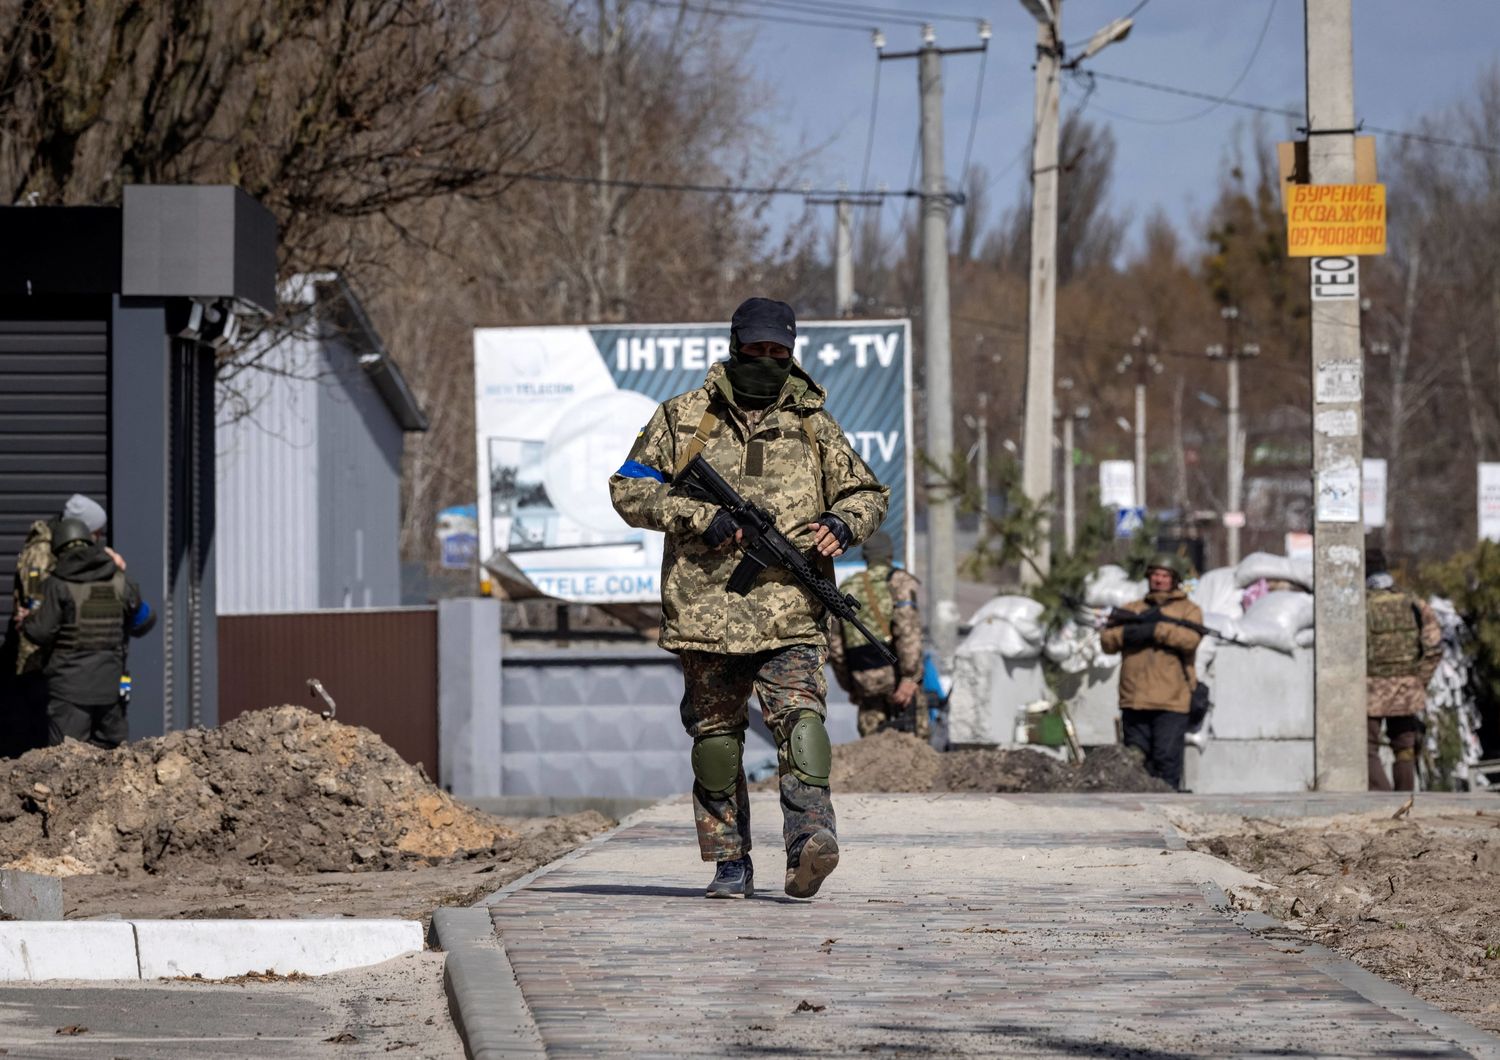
(283, 789)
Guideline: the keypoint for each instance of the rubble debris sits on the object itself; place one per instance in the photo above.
(281, 789)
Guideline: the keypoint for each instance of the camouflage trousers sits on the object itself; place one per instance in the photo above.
(717, 689)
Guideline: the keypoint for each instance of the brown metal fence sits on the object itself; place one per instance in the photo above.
(380, 666)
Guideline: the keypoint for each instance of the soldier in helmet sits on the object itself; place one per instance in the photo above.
(25, 721)
(887, 595)
(1157, 676)
(760, 420)
(1403, 647)
(88, 608)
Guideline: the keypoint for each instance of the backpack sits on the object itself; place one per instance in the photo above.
(1393, 643)
(876, 601)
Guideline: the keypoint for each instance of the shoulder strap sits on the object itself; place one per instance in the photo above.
(883, 622)
(706, 427)
(817, 454)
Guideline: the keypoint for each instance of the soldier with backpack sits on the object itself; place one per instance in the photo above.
(883, 694)
(1403, 646)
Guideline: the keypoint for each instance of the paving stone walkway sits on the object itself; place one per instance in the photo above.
(955, 925)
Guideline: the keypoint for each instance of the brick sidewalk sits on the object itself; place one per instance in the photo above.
(955, 925)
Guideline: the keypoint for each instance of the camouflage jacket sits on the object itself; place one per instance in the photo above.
(771, 464)
(1406, 696)
(33, 564)
(903, 626)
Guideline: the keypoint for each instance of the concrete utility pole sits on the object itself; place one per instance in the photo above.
(1069, 416)
(1338, 396)
(937, 206)
(1041, 320)
(1146, 364)
(982, 442)
(1231, 352)
(843, 259)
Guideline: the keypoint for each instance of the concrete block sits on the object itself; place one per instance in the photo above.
(1094, 705)
(67, 949)
(30, 896)
(1261, 694)
(218, 949)
(988, 690)
(469, 730)
(1240, 766)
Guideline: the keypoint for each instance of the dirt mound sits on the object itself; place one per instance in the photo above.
(283, 789)
(894, 761)
(1411, 900)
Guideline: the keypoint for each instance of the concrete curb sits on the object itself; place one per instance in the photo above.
(212, 949)
(484, 998)
(1477, 1043)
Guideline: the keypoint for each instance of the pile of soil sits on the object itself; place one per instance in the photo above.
(282, 789)
(1412, 900)
(893, 761)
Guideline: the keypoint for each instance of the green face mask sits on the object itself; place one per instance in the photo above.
(757, 380)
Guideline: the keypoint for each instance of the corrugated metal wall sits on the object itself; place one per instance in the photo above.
(267, 548)
(379, 665)
(54, 426)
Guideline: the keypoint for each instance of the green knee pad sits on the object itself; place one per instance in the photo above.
(716, 764)
(808, 751)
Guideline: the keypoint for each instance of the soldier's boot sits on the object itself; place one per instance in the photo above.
(734, 878)
(809, 862)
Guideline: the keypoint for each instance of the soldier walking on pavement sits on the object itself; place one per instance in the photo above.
(1157, 675)
(760, 421)
(888, 602)
(1403, 647)
(88, 609)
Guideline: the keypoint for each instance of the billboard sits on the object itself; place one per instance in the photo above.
(557, 408)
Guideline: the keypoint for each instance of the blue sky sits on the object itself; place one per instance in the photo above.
(1411, 57)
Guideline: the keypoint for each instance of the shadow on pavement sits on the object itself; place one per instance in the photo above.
(644, 890)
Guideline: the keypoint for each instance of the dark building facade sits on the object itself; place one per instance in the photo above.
(111, 320)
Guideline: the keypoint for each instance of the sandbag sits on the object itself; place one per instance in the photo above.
(1218, 592)
(1275, 619)
(1110, 586)
(1258, 565)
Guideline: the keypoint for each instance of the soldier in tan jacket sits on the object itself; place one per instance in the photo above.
(1403, 647)
(1157, 676)
(887, 596)
(760, 421)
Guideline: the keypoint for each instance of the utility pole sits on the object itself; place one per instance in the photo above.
(1041, 320)
(1231, 352)
(843, 268)
(1338, 394)
(1069, 416)
(1146, 364)
(982, 442)
(937, 207)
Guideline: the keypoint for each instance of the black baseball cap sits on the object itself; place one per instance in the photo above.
(764, 320)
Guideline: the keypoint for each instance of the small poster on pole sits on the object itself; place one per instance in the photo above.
(1489, 502)
(1117, 483)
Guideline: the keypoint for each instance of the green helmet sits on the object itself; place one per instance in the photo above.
(1166, 561)
(70, 533)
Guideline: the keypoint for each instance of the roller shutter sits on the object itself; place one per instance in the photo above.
(54, 426)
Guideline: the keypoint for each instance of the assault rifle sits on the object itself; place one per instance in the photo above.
(1118, 616)
(766, 546)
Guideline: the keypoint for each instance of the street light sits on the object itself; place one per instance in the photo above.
(1231, 352)
(1116, 31)
(1041, 329)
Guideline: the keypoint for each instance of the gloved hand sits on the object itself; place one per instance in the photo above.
(720, 530)
(837, 527)
(1139, 635)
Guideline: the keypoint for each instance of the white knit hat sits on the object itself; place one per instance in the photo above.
(81, 507)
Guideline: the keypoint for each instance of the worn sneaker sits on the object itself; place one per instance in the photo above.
(809, 862)
(734, 879)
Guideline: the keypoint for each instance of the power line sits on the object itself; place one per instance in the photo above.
(1218, 101)
(984, 58)
(864, 176)
(679, 5)
(1261, 108)
(711, 189)
(827, 10)
(829, 6)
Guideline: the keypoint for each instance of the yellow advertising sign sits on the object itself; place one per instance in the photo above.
(1335, 220)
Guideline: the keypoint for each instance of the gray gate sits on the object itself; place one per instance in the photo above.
(607, 724)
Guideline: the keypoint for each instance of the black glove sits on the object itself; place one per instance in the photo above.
(720, 530)
(1139, 635)
(837, 527)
